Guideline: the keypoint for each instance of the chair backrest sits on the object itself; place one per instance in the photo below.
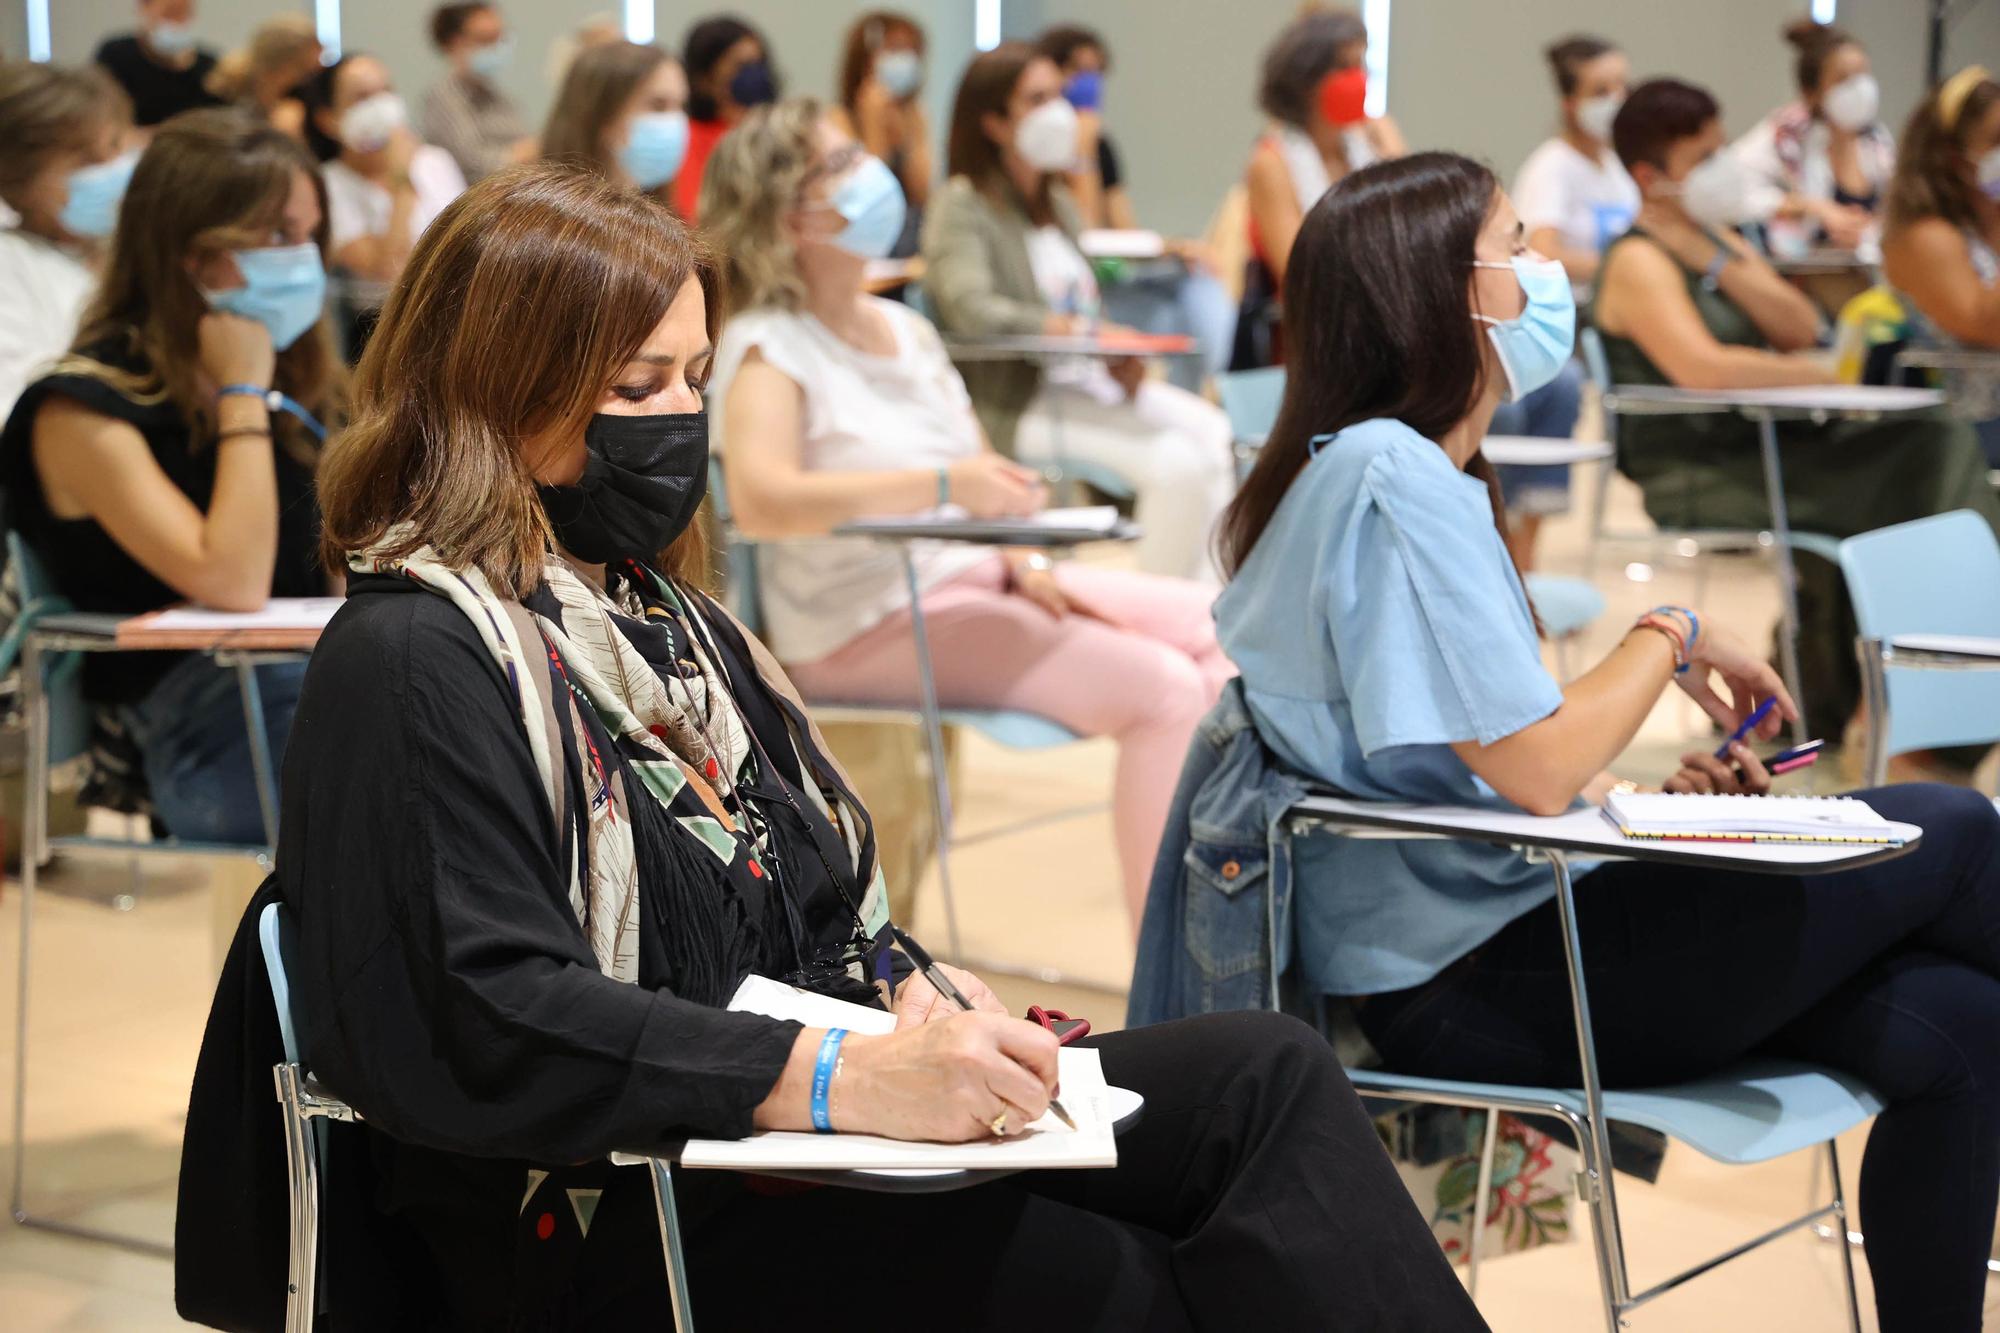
(1591, 343)
(35, 596)
(1937, 575)
(276, 934)
(740, 592)
(1250, 398)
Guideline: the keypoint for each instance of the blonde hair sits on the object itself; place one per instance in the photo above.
(46, 109)
(753, 179)
(212, 180)
(275, 43)
(594, 93)
(518, 307)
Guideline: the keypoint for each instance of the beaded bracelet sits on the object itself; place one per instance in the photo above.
(1673, 634)
(1693, 620)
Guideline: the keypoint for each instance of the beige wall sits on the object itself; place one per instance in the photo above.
(77, 26)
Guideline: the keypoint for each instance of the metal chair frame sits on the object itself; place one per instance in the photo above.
(1595, 1184)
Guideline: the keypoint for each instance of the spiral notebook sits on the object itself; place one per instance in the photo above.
(1668, 815)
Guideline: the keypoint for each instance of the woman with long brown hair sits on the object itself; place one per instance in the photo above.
(1388, 649)
(266, 73)
(1000, 246)
(880, 104)
(148, 467)
(550, 805)
(622, 111)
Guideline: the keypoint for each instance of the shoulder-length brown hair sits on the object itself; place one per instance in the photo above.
(1377, 323)
(46, 109)
(211, 180)
(753, 180)
(864, 40)
(518, 307)
(985, 90)
(595, 90)
(1934, 176)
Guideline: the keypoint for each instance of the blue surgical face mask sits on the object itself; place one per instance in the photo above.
(1535, 344)
(94, 195)
(284, 289)
(655, 146)
(1084, 90)
(171, 39)
(871, 200)
(491, 61)
(899, 72)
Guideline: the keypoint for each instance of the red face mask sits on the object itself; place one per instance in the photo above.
(1343, 96)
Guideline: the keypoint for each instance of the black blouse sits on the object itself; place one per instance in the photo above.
(97, 574)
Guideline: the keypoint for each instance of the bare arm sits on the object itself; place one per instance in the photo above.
(1931, 263)
(917, 160)
(1118, 210)
(1387, 136)
(1274, 208)
(1580, 264)
(1639, 277)
(92, 466)
(774, 495)
(1086, 183)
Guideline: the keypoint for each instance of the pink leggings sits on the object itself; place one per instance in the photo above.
(1135, 659)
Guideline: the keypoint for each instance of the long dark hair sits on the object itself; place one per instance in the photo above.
(1377, 324)
(985, 89)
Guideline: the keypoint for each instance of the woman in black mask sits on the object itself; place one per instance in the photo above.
(729, 71)
(547, 805)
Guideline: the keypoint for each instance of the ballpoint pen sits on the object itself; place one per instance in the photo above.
(942, 984)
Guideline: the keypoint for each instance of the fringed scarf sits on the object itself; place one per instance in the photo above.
(656, 735)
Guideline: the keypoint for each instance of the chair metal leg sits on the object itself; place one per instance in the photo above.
(34, 842)
(934, 745)
(1788, 574)
(1482, 1198)
(1846, 1251)
(670, 1240)
(260, 748)
(302, 1180)
(1603, 1197)
(1874, 699)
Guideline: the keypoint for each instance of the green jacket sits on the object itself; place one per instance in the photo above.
(979, 283)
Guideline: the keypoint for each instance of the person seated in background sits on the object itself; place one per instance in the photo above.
(465, 113)
(832, 405)
(383, 185)
(1314, 88)
(1941, 238)
(1818, 165)
(881, 106)
(506, 999)
(268, 73)
(1372, 480)
(1183, 297)
(1573, 193)
(1683, 300)
(729, 70)
(1001, 258)
(622, 112)
(162, 67)
(146, 469)
(63, 171)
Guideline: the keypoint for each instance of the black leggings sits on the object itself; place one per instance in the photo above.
(1254, 1193)
(1890, 973)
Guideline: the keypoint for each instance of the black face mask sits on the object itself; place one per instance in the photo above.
(641, 486)
(753, 85)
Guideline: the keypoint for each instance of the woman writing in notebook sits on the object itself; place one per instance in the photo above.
(594, 804)
(1416, 308)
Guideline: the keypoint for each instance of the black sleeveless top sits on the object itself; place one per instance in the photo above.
(92, 570)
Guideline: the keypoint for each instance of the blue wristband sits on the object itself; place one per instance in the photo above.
(277, 401)
(829, 1051)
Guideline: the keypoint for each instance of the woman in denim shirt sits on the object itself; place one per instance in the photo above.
(1387, 648)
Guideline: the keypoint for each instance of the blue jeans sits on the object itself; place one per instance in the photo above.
(196, 750)
(1890, 973)
(1549, 413)
(1163, 298)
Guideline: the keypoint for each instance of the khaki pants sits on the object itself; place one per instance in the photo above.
(886, 760)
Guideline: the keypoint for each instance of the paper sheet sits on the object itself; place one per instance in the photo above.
(280, 613)
(1047, 1143)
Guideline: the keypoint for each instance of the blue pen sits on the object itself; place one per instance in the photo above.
(1749, 725)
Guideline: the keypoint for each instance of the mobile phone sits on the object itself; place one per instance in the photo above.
(1068, 1030)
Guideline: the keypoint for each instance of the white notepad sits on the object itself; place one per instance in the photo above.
(1047, 1143)
(1748, 818)
(282, 613)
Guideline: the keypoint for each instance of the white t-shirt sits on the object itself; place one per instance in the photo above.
(358, 207)
(43, 288)
(1067, 283)
(863, 413)
(1590, 204)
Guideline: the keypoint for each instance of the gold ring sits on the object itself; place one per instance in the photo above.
(999, 1124)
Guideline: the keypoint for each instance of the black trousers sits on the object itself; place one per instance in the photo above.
(1890, 973)
(1254, 1194)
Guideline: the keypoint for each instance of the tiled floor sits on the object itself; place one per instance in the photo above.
(120, 995)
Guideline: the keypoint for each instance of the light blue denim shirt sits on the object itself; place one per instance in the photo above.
(1377, 621)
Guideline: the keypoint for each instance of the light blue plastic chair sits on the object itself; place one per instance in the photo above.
(1937, 575)
(1756, 1110)
(1250, 399)
(62, 675)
